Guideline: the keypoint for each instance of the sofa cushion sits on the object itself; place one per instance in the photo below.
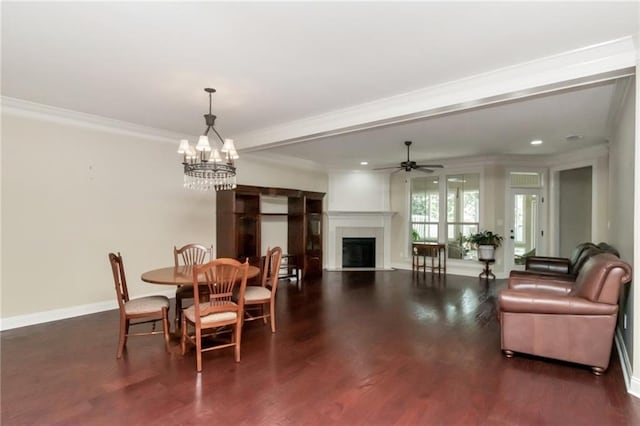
(540, 302)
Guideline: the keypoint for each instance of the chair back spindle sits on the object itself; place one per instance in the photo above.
(192, 254)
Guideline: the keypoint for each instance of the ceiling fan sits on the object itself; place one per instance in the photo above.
(409, 165)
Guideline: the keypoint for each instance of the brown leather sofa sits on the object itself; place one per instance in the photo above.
(564, 267)
(564, 319)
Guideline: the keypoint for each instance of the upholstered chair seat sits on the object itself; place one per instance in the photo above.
(260, 302)
(146, 305)
(255, 293)
(217, 317)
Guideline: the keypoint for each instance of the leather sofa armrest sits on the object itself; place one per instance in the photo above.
(552, 304)
(548, 264)
(524, 280)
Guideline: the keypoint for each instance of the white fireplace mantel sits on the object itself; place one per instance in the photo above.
(341, 224)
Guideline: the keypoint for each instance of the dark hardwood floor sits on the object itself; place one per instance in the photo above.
(370, 348)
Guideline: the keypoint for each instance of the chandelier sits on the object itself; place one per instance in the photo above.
(206, 168)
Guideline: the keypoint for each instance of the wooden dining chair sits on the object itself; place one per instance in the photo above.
(189, 254)
(222, 278)
(258, 298)
(149, 309)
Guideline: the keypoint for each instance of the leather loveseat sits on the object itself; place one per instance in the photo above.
(559, 265)
(564, 267)
(565, 319)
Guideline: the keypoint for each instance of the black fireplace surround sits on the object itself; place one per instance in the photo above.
(358, 252)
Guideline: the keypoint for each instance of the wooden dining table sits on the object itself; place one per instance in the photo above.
(182, 275)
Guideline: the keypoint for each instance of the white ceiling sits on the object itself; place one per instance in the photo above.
(502, 129)
(272, 63)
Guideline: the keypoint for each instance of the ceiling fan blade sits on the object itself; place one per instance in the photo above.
(399, 169)
(420, 169)
(411, 165)
(386, 168)
(431, 166)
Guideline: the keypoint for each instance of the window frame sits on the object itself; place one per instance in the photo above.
(442, 224)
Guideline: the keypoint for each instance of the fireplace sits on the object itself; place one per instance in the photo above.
(375, 226)
(358, 252)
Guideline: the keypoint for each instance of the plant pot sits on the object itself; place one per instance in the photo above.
(486, 252)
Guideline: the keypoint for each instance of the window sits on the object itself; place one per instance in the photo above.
(463, 214)
(425, 209)
(461, 211)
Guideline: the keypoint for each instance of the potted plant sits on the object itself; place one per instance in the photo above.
(486, 242)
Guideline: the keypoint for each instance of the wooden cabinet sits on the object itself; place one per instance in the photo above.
(313, 237)
(238, 225)
(305, 231)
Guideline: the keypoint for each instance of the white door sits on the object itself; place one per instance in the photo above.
(525, 226)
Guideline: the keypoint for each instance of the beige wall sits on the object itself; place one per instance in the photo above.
(71, 194)
(492, 215)
(575, 223)
(399, 189)
(621, 189)
(253, 170)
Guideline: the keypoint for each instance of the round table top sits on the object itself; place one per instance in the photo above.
(181, 275)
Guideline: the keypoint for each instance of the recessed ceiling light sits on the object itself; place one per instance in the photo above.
(536, 142)
(573, 138)
(364, 163)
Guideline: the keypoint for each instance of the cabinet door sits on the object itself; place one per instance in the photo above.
(313, 244)
(248, 237)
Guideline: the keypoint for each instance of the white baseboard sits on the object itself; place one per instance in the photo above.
(464, 270)
(624, 358)
(64, 313)
(632, 383)
(634, 387)
(356, 269)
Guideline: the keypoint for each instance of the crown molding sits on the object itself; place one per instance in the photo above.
(22, 108)
(579, 155)
(287, 161)
(601, 62)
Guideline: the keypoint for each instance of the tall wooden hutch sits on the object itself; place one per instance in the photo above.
(238, 225)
